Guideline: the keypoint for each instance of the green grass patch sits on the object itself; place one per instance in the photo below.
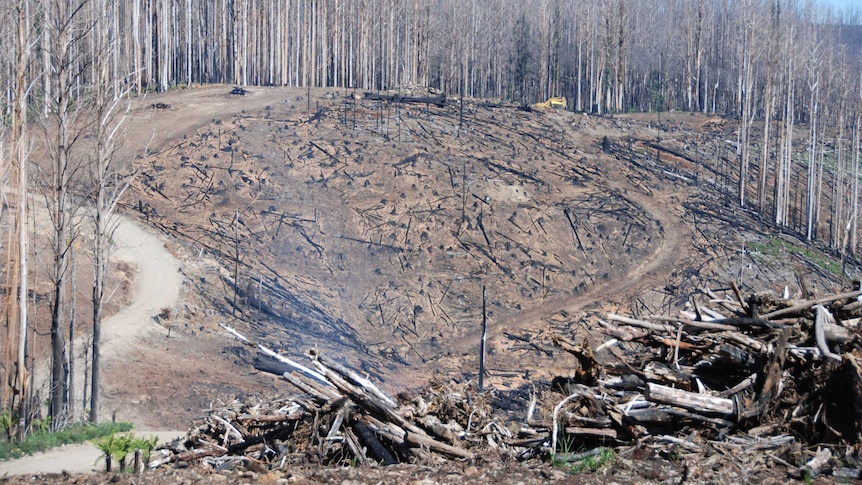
(778, 249)
(588, 464)
(44, 440)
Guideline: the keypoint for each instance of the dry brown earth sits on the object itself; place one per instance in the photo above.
(368, 230)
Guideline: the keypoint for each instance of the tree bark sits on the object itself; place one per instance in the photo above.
(19, 145)
(700, 403)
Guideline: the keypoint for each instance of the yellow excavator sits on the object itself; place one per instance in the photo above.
(552, 103)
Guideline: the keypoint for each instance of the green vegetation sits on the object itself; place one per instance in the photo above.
(595, 462)
(589, 463)
(119, 447)
(43, 439)
(778, 249)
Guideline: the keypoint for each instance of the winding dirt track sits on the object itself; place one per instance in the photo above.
(157, 285)
(160, 129)
(669, 249)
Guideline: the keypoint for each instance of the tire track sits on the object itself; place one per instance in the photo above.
(669, 249)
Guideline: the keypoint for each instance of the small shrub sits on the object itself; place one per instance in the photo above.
(119, 447)
(595, 462)
(42, 425)
(587, 464)
(8, 422)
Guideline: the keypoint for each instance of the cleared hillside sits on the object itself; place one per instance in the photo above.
(368, 229)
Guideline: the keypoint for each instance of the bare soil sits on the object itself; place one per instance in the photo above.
(374, 237)
(369, 230)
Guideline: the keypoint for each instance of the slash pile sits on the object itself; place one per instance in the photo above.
(342, 418)
(737, 374)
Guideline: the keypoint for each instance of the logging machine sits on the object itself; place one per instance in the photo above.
(552, 103)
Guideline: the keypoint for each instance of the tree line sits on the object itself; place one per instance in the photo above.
(605, 55)
(787, 72)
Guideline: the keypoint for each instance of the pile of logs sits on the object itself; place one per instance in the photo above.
(341, 418)
(751, 374)
(756, 373)
(757, 359)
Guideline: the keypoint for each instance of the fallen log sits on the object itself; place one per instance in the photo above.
(623, 334)
(198, 454)
(805, 305)
(641, 323)
(310, 387)
(276, 433)
(714, 325)
(271, 418)
(294, 365)
(266, 363)
(582, 432)
(366, 436)
(701, 403)
(439, 100)
(666, 415)
(688, 445)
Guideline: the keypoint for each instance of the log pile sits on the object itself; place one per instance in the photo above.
(341, 418)
(761, 373)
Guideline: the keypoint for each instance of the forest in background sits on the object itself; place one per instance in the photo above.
(605, 56)
(780, 63)
(786, 72)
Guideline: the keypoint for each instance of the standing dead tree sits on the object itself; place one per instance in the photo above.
(109, 182)
(20, 148)
(66, 33)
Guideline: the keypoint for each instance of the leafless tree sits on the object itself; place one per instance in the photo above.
(20, 149)
(813, 80)
(67, 30)
(110, 106)
(772, 63)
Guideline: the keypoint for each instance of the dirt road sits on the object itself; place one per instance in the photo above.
(670, 246)
(157, 286)
(82, 457)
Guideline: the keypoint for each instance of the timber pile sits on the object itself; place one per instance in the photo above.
(342, 418)
(764, 374)
(738, 374)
